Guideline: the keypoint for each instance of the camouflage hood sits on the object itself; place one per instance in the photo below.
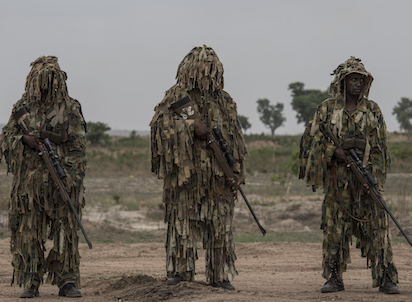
(46, 74)
(202, 69)
(353, 65)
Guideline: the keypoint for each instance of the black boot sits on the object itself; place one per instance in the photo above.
(32, 292)
(335, 283)
(70, 291)
(389, 287)
(175, 280)
(224, 285)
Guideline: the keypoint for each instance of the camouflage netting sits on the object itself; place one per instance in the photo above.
(36, 212)
(198, 204)
(365, 124)
(200, 69)
(46, 75)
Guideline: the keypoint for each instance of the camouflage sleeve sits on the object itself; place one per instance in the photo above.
(11, 145)
(74, 159)
(172, 139)
(316, 151)
(379, 156)
(236, 142)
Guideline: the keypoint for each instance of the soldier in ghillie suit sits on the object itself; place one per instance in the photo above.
(348, 209)
(199, 200)
(36, 211)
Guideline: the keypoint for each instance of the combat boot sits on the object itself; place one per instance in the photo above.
(224, 285)
(32, 292)
(175, 280)
(389, 287)
(70, 291)
(335, 283)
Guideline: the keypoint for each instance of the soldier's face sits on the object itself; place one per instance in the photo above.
(355, 83)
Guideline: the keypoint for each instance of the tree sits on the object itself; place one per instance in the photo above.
(305, 101)
(403, 113)
(244, 122)
(96, 133)
(271, 116)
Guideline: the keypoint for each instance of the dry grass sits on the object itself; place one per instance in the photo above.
(119, 179)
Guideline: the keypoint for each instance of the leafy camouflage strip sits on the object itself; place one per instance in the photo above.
(200, 69)
(316, 151)
(215, 229)
(46, 74)
(373, 238)
(35, 210)
(196, 209)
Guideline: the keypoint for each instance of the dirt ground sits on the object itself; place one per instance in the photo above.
(267, 272)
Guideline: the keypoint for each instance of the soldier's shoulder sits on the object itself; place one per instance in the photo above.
(229, 100)
(326, 104)
(371, 103)
(75, 103)
(76, 108)
(373, 107)
(22, 102)
(172, 95)
(227, 96)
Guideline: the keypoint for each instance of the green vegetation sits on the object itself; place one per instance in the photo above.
(119, 178)
(403, 113)
(305, 101)
(96, 133)
(270, 115)
(244, 122)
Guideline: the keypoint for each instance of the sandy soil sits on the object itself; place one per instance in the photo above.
(267, 272)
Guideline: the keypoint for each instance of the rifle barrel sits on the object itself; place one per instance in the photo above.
(251, 211)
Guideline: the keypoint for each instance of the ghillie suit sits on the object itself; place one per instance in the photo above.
(364, 130)
(36, 211)
(198, 203)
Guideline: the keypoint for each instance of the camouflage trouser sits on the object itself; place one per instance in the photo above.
(373, 237)
(217, 237)
(29, 234)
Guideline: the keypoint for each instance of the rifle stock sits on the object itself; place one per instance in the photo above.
(364, 176)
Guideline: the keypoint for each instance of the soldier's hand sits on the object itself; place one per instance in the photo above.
(366, 189)
(31, 141)
(231, 182)
(341, 155)
(201, 130)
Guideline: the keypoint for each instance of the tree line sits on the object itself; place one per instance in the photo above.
(304, 102)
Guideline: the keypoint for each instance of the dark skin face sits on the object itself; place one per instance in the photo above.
(355, 83)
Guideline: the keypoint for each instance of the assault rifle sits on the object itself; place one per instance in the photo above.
(365, 177)
(185, 109)
(53, 165)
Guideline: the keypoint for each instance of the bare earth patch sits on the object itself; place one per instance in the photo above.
(267, 272)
